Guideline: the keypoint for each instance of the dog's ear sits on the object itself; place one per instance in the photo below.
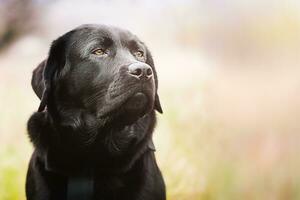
(149, 61)
(157, 105)
(37, 81)
(55, 62)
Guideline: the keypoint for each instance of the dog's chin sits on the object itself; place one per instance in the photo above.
(127, 108)
(135, 107)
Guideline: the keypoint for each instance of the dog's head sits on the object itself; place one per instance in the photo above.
(103, 70)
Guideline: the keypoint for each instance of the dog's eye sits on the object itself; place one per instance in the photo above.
(99, 52)
(139, 54)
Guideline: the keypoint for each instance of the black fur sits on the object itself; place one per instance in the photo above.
(87, 118)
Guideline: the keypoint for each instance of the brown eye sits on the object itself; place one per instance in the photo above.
(99, 52)
(139, 54)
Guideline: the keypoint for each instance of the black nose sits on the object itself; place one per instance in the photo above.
(140, 70)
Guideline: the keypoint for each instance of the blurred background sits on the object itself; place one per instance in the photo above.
(230, 128)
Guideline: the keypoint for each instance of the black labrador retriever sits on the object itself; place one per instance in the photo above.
(92, 132)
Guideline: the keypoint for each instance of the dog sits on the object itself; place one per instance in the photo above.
(92, 132)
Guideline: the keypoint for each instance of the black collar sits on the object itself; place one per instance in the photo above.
(81, 184)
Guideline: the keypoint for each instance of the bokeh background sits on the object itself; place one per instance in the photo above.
(229, 86)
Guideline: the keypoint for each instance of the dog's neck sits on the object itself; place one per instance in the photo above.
(60, 142)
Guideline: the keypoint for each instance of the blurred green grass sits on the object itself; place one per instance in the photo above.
(12, 174)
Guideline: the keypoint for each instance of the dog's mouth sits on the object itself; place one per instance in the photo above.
(136, 102)
(128, 105)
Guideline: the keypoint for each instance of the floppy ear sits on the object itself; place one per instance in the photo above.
(150, 62)
(157, 105)
(55, 62)
(37, 81)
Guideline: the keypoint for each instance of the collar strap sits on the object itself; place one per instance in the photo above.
(81, 186)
